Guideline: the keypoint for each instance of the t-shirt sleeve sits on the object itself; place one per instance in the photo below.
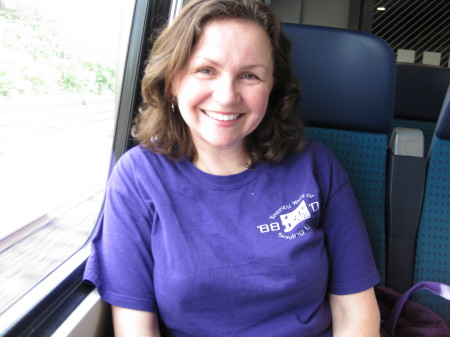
(121, 263)
(352, 266)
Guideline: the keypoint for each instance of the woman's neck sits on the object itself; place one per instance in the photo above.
(222, 163)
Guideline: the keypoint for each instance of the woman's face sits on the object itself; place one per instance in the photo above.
(224, 89)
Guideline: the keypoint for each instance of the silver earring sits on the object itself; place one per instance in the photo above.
(172, 105)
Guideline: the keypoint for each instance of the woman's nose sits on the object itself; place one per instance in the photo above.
(226, 91)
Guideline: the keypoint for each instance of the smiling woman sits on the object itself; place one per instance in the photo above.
(193, 241)
(280, 131)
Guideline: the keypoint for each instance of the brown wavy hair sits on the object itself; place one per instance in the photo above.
(164, 131)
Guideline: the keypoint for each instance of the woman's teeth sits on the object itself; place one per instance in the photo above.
(221, 117)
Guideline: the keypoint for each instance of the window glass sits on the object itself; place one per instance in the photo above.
(60, 67)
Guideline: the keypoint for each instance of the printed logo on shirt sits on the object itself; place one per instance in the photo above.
(293, 224)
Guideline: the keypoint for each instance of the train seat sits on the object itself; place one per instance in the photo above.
(433, 245)
(420, 91)
(347, 81)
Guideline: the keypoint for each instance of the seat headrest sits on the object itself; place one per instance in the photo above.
(347, 78)
(420, 91)
(443, 124)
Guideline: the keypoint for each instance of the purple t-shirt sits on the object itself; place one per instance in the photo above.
(253, 254)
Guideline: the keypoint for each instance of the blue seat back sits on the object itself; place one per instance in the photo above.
(347, 99)
(420, 92)
(433, 245)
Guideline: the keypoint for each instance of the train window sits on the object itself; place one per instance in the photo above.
(60, 68)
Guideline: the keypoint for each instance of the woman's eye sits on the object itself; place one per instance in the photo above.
(206, 71)
(250, 76)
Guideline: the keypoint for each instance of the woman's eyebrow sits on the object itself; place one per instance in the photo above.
(215, 63)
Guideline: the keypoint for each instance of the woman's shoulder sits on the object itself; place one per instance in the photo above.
(139, 156)
(140, 168)
(139, 161)
(136, 152)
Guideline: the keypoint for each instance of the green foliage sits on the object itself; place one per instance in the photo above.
(69, 82)
(40, 56)
(5, 84)
(104, 76)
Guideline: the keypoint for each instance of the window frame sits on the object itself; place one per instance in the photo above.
(44, 308)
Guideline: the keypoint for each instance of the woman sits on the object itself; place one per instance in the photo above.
(225, 221)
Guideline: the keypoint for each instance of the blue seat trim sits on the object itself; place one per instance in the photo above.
(443, 124)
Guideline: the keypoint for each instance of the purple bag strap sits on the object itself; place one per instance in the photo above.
(436, 288)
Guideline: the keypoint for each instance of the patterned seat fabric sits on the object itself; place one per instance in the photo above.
(364, 157)
(433, 245)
